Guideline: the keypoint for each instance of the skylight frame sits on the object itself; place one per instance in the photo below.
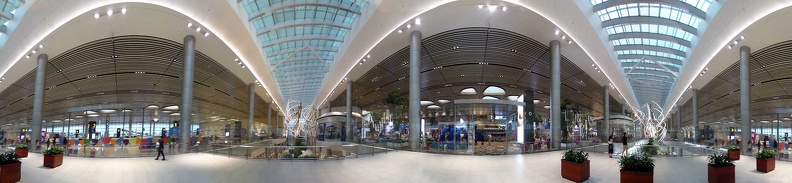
(650, 28)
(649, 10)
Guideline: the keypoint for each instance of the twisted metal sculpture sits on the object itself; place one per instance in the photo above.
(653, 121)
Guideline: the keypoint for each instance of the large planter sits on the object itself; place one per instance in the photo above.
(577, 172)
(720, 175)
(734, 154)
(636, 177)
(765, 165)
(53, 161)
(10, 172)
(21, 152)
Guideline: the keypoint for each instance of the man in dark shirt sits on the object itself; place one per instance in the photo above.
(624, 144)
(160, 147)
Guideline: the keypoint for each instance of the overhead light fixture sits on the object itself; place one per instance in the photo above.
(189, 24)
(730, 47)
(109, 12)
(735, 42)
(570, 42)
(206, 34)
(41, 46)
(409, 26)
(504, 8)
(368, 56)
(198, 29)
(27, 56)
(556, 32)
(96, 15)
(563, 37)
(480, 6)
(418, 21)
(492, 7)
(400, 31)
(34, 51)
(123, 10)
(742, 37)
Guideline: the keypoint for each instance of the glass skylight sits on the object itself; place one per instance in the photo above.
(653, 75)
(650, 42)
(703, 5)
(307, 33)
(650, 53)
(667, 64)
(649, 10)
(650, 28)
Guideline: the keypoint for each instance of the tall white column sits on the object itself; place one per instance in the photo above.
(187, 93)
(606, 113)
(415, 89)
(745, 97)
(251, 110)
(555, 96)
(38, 99)
(350, 137)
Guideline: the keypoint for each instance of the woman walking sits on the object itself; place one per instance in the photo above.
(610, 146)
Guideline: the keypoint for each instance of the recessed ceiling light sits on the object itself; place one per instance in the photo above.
(109, 12)
(41, 46)
(368, 56)
(504, 8)
(735, 42)
(189, 24)
(480, 6)
(556, 32)
(742, 37)
(409, 26)
(418, 21)
(96, 15)
(27, 56)
(730, 47)
(198, 29)
(34, 51)
(206, 34)
(123, 10)
(400, 31)
(563, 37)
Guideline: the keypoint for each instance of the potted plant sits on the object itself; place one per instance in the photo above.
(21, 150)
(765, 161)
(636, 168)
(53, 157)
(720, 168)
(575, 166)
(734, 152)
(10, 167)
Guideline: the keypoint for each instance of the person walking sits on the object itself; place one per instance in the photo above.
(610, 146)
(160, 146)
(624, 144)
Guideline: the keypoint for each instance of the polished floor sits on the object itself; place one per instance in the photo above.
(396, 167)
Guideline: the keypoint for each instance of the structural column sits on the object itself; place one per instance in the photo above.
(745, 97)
(415, 89)
(348, 135)
(269, 119)
(38, 99)
(606, 113)
(695, 116)
(187, 92)
(555, 96)
(251, 110)
(680, 135)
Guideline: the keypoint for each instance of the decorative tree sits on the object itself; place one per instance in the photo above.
(398, 104)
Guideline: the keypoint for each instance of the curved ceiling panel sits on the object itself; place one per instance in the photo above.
(463, 63)
(128, 70)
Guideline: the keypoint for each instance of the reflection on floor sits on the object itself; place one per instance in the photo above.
(396, 167)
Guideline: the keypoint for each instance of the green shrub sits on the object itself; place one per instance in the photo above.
(733, 147)
(8, 158)
(21, 146)
(53, 151)
(296, 152)
(720, 160)
(765, 154)
(636, 163)
(575, 156)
